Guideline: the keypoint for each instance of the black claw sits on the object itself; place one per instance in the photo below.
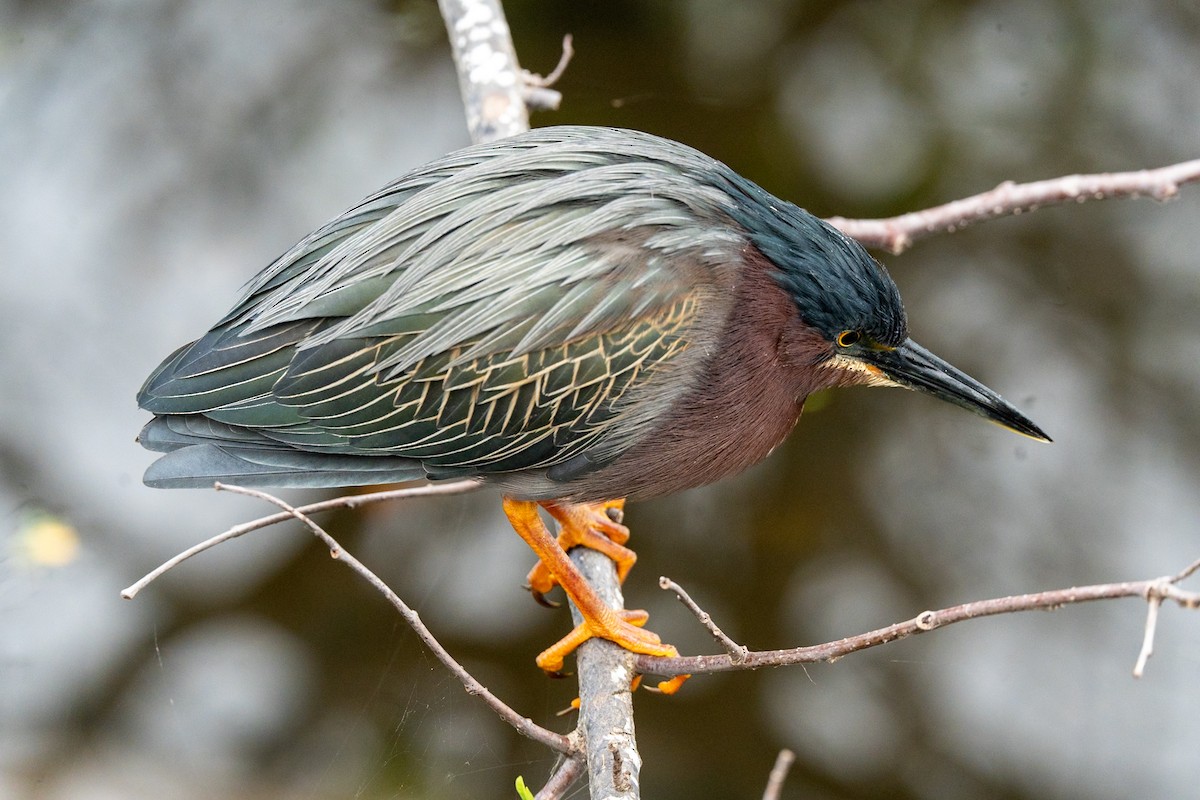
(615, 514)
(541, 600)
(556, 675)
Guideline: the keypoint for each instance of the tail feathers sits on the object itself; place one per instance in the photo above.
(201, 465)
(168, 433)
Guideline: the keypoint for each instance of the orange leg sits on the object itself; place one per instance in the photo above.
(593, 525)
(621, 627)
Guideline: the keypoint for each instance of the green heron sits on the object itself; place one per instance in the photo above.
(576, 315)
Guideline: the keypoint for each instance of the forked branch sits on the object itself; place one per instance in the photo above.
(737, 657)
(1154, 591)
(521, 724)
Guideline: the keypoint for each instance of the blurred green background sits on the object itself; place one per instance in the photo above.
(156, 154)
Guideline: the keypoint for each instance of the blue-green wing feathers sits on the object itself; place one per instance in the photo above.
(506, 308)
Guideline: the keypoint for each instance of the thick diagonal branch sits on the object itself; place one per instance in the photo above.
(520, 723)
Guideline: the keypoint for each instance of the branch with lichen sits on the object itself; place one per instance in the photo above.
(497, 94)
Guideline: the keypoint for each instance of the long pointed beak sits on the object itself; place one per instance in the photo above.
(914, 367)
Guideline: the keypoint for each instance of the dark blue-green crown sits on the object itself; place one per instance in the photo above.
(836, 284)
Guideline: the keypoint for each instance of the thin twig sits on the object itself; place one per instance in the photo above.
(897, 234)
(736, 651)
(783, 763)
(346, 501)
(1187, 572)
(929, 620)
(523, 725)
(545, 82)
(1156, 592)
(564, 777)
(1153, 604)
(538, 94)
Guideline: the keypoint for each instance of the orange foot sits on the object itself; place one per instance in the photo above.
(621, 627)
(551, 659)
(593, 525)
(670, 686)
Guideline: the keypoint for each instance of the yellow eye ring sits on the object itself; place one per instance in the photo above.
(848, 338)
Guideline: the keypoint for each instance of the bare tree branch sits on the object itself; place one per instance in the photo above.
(1164, 589)
(737, 652)
(1153, 604)
(1185, 573)
(523, 725)
(897, 234)
(492, 84)
(346, 501)
(1154, 591)
(494, 90)
(563, 779)
(538, 94)
(605, 693)
(783, 763)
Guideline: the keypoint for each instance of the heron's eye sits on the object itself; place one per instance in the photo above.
(848, 338)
